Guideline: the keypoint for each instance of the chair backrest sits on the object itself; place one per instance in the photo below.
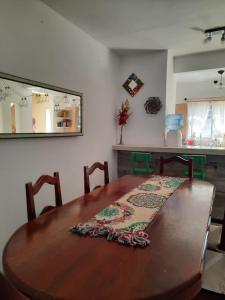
(32, 190)
(141, 157)
(89, 170)
(199, 161)
(186, 162)
(8, 292)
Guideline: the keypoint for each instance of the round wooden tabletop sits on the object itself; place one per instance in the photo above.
(45, 260)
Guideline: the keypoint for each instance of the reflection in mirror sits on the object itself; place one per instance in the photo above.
(35, 109)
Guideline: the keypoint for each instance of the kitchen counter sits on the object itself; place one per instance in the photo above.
(206, 150)
(215, 165)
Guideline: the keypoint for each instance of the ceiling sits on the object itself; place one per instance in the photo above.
(146, 24)
(197, 76)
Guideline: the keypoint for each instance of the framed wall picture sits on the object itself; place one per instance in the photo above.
(133, 84)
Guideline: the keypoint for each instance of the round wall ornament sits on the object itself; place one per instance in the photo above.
(153, 105)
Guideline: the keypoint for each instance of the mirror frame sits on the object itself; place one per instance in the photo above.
(50, 87)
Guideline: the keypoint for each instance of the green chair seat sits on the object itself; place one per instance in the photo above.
(140, 163)
(199, 162)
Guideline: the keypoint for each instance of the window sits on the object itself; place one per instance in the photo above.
(206, 121)
(207, 127)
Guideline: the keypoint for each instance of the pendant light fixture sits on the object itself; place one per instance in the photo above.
(219, 83)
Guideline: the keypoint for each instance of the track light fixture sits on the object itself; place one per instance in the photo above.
(208, 37)
(209, 33)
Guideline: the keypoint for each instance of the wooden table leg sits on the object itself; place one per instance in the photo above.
(221, 245)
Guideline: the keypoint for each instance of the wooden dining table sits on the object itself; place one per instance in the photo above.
(44, 260)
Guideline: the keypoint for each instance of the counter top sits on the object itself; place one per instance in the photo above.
(182, 150)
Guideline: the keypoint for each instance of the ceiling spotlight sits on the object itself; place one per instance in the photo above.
(76, 102)
(66, 99)
(23, 102)
(219, 83)
(7, 90)
(56, 107)
(208, 37)
(223, 37)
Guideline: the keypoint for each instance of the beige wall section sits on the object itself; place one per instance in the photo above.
(182, 109)
(13, 118)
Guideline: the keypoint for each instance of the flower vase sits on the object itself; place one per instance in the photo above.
(121, 135)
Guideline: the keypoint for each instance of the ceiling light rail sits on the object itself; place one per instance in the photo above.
(209, 33)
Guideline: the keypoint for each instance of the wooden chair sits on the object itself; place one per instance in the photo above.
(140, 163)
(199, 165)
(186, 162)
(32, 190)
(8, 292)
(89, 170)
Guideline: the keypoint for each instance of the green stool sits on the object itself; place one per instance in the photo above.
(199, 162)
(140, 163)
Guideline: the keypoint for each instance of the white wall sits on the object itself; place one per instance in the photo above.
(38, 44)
(23, 114)
(170, 84)
(198, 89)
(1, 116)
(150, 67)
(6, 112)
(199, 61)
(25, 120)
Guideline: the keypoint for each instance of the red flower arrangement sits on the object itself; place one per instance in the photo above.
(123, 116)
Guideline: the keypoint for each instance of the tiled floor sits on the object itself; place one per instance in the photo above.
(213, 278)
(219, 207)
(214, 271)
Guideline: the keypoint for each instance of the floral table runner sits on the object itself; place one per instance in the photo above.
(126, 219)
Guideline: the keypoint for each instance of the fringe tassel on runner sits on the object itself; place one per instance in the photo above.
(136, 238)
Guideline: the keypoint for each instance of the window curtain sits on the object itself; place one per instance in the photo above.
(197, 115)
(218, 115)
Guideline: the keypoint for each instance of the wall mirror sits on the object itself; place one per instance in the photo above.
(33, 109)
